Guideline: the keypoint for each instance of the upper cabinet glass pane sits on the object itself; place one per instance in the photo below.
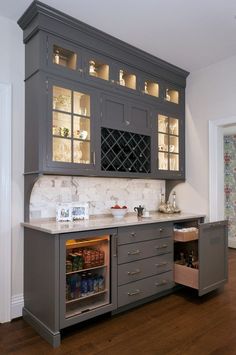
(126, 79)
(81, 104)
(151, 88)
(163, 123)
(61, 99)
(174, 126)
(98, 69)
(172, 96)
(64, 57)
(61, 125)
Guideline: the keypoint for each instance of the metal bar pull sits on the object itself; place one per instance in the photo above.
(132, 234)
(161, 264)
(134, 252)
(163, 282)
(137, 271)
(163, 246)
(115, 244)
(136, 292)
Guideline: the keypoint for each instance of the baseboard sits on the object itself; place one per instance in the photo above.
(17, 304)
(232, 243)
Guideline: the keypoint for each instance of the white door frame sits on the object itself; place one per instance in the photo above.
(5, 203)
(216, 169)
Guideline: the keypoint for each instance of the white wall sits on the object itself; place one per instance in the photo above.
(12, 71)
(210, 95)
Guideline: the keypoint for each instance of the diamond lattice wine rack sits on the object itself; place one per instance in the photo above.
(125, 151)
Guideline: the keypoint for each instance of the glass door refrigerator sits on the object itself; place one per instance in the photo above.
(88, 275)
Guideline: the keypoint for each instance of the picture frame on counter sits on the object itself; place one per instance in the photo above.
(80, 211)
(64, 212)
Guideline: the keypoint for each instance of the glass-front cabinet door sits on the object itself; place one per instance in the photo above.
(87, 275)
(169, 146)
(72, 120)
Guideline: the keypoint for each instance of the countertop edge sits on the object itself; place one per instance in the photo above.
(53, 227)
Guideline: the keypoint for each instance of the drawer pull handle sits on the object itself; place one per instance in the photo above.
(134, 252)
(132, 234)
(161, 230)
(163, 282)
(134, 272)
(162, 246)
(136, 292)
(161, 264)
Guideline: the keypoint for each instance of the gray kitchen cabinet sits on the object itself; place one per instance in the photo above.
(127, 115)
(205, 253)
(125, 85)
(145, 262)
(61, 135)
(55, 295)
(74, 276)
(169, 145)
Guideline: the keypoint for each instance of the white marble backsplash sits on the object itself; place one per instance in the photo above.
(100, 193)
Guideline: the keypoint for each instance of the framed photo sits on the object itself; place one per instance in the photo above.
(64, 212)
(80, 211)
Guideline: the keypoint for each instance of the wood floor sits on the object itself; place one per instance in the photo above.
(179, 324)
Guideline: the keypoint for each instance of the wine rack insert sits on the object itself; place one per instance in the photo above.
(125, 151)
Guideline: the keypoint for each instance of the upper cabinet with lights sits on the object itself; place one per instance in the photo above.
(78, 81)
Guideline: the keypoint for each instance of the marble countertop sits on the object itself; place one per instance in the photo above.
(103, 222)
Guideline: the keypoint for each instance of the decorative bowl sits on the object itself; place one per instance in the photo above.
(118, 212)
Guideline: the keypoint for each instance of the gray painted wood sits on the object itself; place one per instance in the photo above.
(141, 250)
(213, 262)
(141, 269)
(149, 286)
(135, 234)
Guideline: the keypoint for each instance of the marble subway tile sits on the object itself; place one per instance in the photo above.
(100, 193)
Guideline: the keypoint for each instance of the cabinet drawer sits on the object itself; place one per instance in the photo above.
(138, 290)
(144, 268)
(137, 251)
(145, 232)
(186, 276)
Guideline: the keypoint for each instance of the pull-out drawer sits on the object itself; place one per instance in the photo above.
(138, 290)
(137, 270)
(137, 251)
(144, 232)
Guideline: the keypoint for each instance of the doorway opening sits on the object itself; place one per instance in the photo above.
(217, 130)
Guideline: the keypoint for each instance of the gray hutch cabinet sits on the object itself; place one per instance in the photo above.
(96, 105)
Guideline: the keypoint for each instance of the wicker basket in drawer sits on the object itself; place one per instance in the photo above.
(181, 236)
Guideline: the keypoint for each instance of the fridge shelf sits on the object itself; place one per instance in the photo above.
(86, 297)
(83, 270)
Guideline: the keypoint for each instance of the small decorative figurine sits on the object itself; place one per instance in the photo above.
(121, 78)
(92, 68)
(57, 57)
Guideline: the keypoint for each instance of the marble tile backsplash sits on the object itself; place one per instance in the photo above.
(100, 193)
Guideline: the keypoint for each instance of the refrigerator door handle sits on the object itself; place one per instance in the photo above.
(115, 251)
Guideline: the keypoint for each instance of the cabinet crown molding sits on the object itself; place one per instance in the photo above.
(40, 16)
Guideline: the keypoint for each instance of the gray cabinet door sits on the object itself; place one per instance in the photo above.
(71, 133)
(126, 115)
(213, 262)
(168, 145)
